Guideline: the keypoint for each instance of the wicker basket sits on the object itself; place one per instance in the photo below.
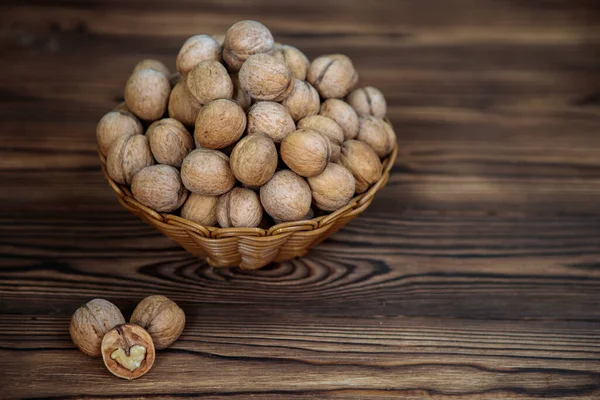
(250, 248)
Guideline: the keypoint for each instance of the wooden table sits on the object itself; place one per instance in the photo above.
(474, 274)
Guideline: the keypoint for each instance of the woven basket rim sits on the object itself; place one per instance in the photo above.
(355, 206)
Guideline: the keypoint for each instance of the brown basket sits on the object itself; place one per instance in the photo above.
(250, 248)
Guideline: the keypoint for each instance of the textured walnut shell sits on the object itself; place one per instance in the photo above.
(126, 156)
(306, 152)
(147, 94)
(152, 64)
(126, 337)
(254, 159)
(342, 113)
(239, 208)
(328, 128)
(196, 49)
(333, 188)
(360, 159)
(169, 141)
(266, 78)
(332, 75)
(114, 125)
(368, 101)
(209, 81)
(161, 317)
(286, 197)
(200, 209)
(294, 59)
(90, 322)
(207, 172)
(159, 187)
(182, 106)
(270, 118)
(378, 134)
(242, 40)
(219, 124)
(240, 95)
(302, 101)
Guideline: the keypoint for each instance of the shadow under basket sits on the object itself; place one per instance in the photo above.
(251, 248)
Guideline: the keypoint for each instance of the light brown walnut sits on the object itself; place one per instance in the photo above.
(328, 128)
(333, 75)
(90, 323)
(128, 351)
(114, 125)
(264, 77)
(207, 172)
(242, 40)
(368, 101)
(196, 49)
(209, 81)
(378, 134)
(296, 61)
(182, 105)
(360, 159)
(219, 124)
(303, 101)
(333, 188)
(152, 64)
(254, 159)
(126, 156)
(342, 113)
(159, 187)
(239, 208)
(147, 94)
(306, 152)
(286, 197)
(161, 317)
(270, 118)
(169, 141)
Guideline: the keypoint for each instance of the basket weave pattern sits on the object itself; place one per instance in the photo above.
(250, 248)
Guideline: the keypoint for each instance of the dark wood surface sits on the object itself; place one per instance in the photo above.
(474, 274)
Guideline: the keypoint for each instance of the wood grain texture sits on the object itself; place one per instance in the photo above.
(474, 274)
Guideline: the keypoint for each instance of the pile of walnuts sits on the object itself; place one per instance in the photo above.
(128, 350)
(252, 126)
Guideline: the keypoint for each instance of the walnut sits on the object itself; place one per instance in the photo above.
(254, 159)
(182, 105)
(286, 197)
(128, 351)
(200, 209)
(302, 101)
(270, 118)
(161, 317)
(90, 323)
(368, 101)
(342, 113)
(126, 156)
(147, 94)
(207, 172)
(169, 141)
(266, 78)
(219, 124)
(306, 152)
(360, 159)
(332, 75)
(152, 64)
(333, 188)
(159, 187)
(209, 81)
(378, 134)
(196, 49)
(328, 128)
(114, 125)
(242, 40)
(294, 59)
(239, 208)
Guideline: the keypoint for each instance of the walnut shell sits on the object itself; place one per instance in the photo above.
(242, 40)
(152, 64)
(114, 125)
(207, 172)
(328, 128)
(126, 156)
(342, 113)
(159, 187)
(90, 322)
(286, 197)
(333, 188)
(240, 95)
(270, 118)
(360, 159)
(196, 49)
(296, 61)
(147, 94)
(302, 101)
(182, 105)
(254, 159)
(128, 351)
(378, 134)
(200, 209)
(169, 141)
(209, 81)
(368, 101)
(306, 152)
(161, 317)
(239, 208)
(219, 124)
(266, 78)
(332, 75)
